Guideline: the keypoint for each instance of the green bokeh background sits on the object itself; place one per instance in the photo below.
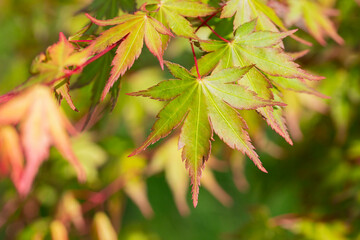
(315, 183)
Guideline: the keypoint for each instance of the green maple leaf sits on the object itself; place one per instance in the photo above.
(246, 10)
(172, 14)
(272, 66)
(133, 29)
(203, 105)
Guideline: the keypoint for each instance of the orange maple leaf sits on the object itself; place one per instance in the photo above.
(11, 156)
(41, 124)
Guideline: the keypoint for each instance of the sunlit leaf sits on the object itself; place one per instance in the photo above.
(132, 30)
(272, 66)
(204, 104)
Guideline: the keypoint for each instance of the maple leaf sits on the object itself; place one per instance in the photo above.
(247, 10)
(272, 66)
(58, 230)
(203, 104)
(132, 173)
(41, 125)
(69, 210)
(102, 228)
(11, 157)
(133, 29)
(316, 20)
(172, 14)
(56, 63)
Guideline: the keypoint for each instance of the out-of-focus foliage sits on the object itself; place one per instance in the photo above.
(312, 190)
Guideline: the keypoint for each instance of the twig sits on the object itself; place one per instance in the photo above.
(206, 20)
(196, 63)
(202, 20)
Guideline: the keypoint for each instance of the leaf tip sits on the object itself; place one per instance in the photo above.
(195, 202)
(290, 32)
(132, 154)
(300, 40)
(81, 175)
(132, 94)
(62, 37)
(89, 16)
(195, 181)
(281, 104)
(103, 95)
(135, 152)
(261, 167)
(161, 61)
(195, 191)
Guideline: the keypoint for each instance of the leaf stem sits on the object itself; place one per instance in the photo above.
(205, 23)
(206, 20)
(71, 72)
(99, 55)
(196, 63)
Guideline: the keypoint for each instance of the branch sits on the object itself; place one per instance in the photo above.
(205, 23)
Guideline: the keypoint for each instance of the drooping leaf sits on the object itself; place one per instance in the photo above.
(168, 158)
(58, 231)
(41, 125)
(272, 65)
(295, 84)
(102, 228)
(132, 172)
(203, 104)
(11, 155)
(69, 210)
(247, 10)
(132, 29)
(317, 22)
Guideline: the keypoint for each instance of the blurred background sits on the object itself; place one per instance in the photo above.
(312, 190)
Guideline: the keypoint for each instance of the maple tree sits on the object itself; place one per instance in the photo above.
(243, 68)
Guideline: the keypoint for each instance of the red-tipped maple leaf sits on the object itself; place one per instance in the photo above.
(136, 28)
(56, 64)
(273, 67)
(204, 104)
(172, 14)
(41, 124)
(11, 157)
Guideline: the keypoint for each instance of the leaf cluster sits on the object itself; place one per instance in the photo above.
(246, 70)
